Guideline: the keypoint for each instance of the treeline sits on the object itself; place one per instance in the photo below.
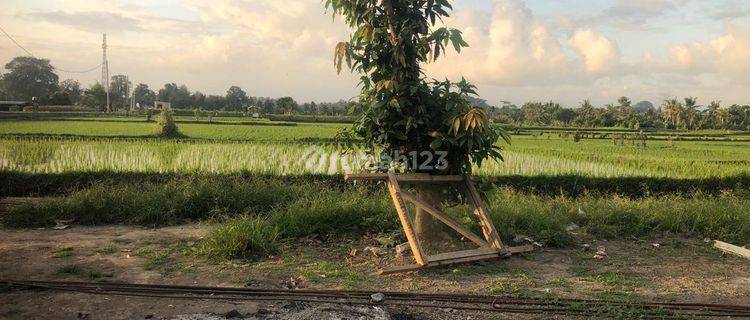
(685, 114)
(29, 77)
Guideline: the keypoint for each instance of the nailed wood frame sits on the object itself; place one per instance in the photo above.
(491, 247)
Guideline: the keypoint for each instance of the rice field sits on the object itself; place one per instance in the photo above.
(526, 156)
(136, 129)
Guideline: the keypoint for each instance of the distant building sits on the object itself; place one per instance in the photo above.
(7, 105)
(161, 105)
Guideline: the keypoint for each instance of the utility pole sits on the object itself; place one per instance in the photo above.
(105, 70)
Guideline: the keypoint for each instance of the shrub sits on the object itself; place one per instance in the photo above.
(167, 126)
(246, 237)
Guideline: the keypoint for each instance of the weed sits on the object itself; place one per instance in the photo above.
(63, 252)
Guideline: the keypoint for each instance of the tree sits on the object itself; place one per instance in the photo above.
(286, 105)
(565, 115)
(712, 114)
(143, 95)
(73, 89)
(178, 96)
(673, 110)
(29, 77)
(586, 114)
(118, 92)
(198, 99)
(402, 112)
(236, 98)
(95, 97)
(60, 98)
(691, 112)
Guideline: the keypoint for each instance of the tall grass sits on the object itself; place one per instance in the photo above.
(255, 216)
(525, 157)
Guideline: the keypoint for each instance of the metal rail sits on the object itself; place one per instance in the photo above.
(485, 303)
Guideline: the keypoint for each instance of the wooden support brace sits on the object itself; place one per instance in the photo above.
(406, 221)
(404, 177)
(483, 214)
(455, 225)
(491, 248)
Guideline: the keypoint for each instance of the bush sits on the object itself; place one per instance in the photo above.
(167, 126)
(246, 237)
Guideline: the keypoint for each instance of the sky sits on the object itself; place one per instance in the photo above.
(532, 50)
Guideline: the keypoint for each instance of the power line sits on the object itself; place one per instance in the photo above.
(14, 41)
(31, 54)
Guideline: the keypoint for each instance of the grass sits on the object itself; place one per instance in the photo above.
(256, 216)
(284, 151)
(261, 131)
(63, 252)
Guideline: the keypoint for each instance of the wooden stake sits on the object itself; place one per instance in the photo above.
(483, 214)
(406, 221)
(455, 225)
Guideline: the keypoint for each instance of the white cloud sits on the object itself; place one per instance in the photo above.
(600, 54)
(512, 47)
(275, 48)
(728, 54)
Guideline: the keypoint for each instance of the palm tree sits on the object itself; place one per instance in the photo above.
(712, 112)
(723, 118)
(691, 111)
(673, 111)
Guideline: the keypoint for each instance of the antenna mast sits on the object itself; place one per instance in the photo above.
(105, 70)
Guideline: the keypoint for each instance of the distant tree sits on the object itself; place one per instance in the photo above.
(118, 91)
(144, 96)
(673, 110)
(95, 97)
(178, 96)
(214, 102)
(29, 77)
(565, 115)
(286, 105)
(690, 112)
(198, 99)
(712, 114)
(60, 98)
(73, 89)
(586, 114)
(236, 98)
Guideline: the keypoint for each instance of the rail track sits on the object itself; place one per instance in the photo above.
(484, 303)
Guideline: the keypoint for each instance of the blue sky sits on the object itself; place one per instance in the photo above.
(561, 50)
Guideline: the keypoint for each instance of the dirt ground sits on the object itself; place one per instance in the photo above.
(678, 269)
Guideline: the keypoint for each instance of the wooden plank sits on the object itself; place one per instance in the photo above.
(403, 177)
(453, 223)
(483, 214)
(463, 254)
(366, 176)
(732, 249)
(406, 221)
(400, 269)
(440, 262)
(520, 249)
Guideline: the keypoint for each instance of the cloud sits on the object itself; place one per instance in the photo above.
(637, 13)
(513, 47)
(90, 21)
(728, 54)
(600, 54)
(730, 10)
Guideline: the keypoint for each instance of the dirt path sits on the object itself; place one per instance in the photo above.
(678, 270)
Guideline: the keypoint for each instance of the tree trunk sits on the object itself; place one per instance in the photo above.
(427, 228)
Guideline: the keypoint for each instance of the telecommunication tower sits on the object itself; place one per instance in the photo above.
(105, 70)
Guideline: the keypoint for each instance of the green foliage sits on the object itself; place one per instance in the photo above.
(246, 237)
(260, 213)
(167, 126)
(401, 111)
(29, 77)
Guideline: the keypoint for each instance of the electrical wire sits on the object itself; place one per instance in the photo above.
(31, 54)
